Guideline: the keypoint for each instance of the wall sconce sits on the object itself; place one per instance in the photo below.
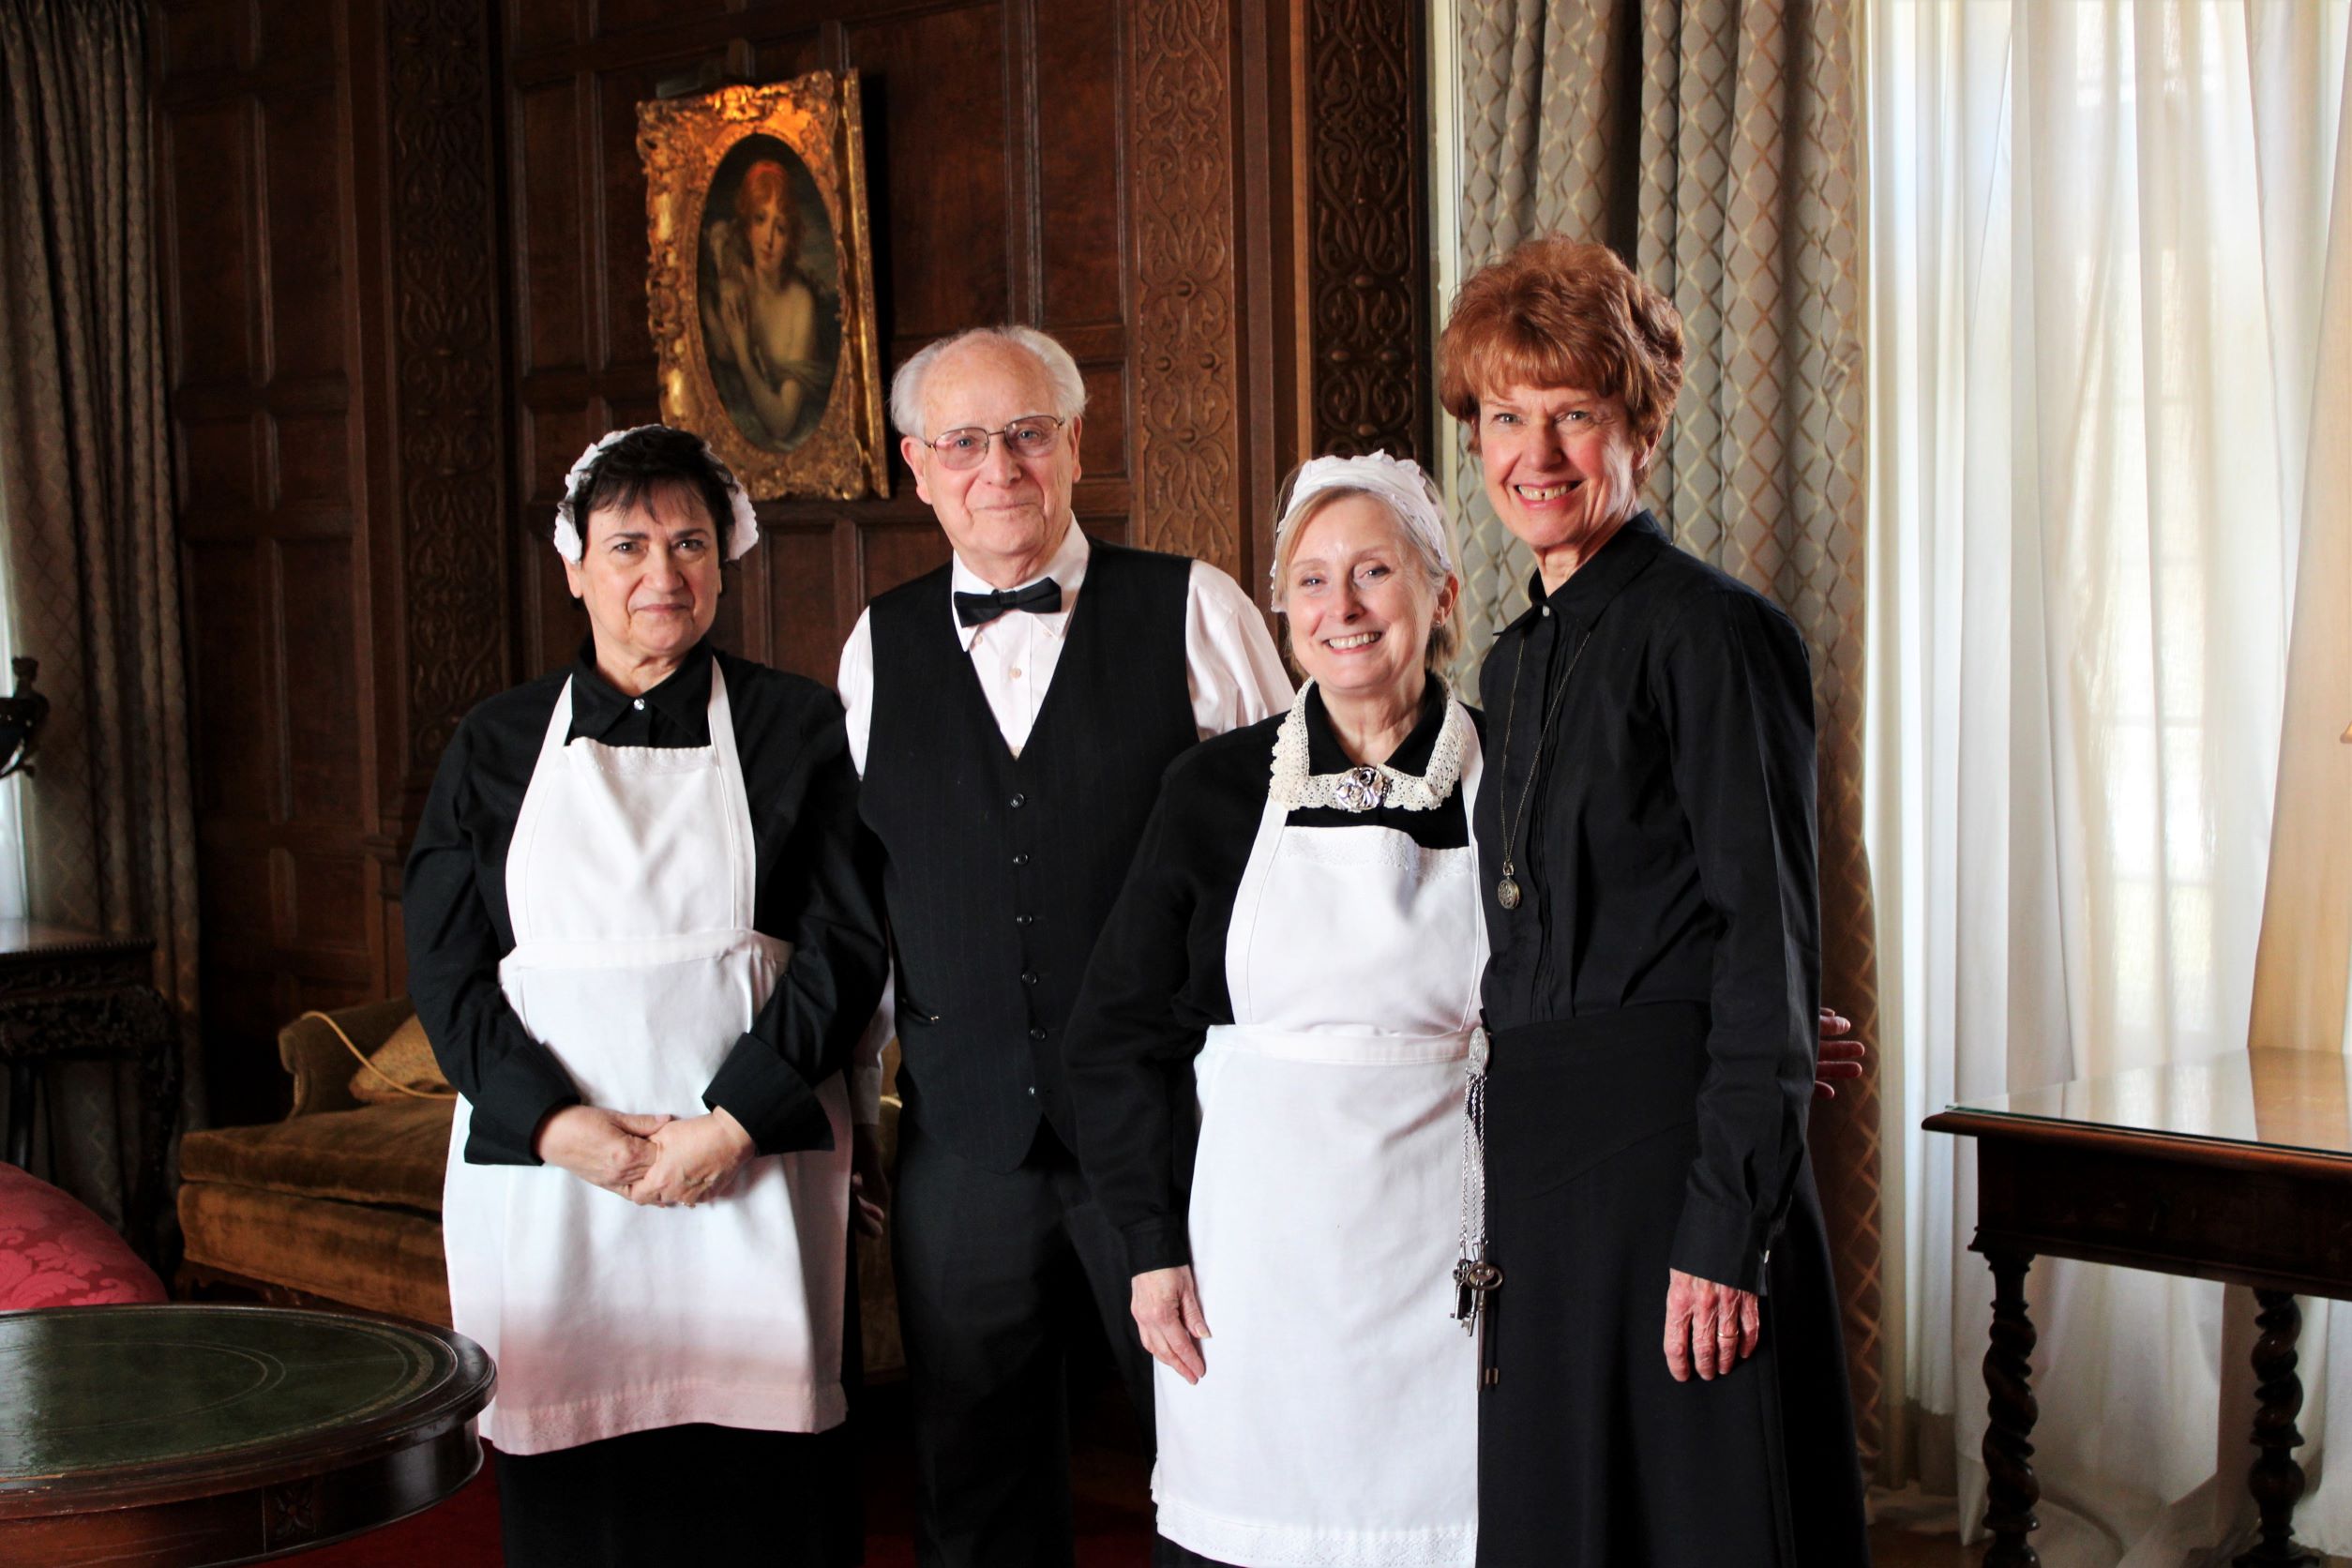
(21, 717)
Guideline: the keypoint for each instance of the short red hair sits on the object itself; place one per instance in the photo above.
(1559, 313)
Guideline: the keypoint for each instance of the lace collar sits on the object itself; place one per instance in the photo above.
(1372, 786)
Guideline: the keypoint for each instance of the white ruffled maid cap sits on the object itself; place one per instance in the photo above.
(742, 535)
(1398, 481)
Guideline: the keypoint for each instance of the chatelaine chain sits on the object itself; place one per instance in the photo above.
(1474, 1276)
(1507, 890)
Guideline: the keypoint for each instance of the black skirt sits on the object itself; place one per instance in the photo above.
(685, 1494)
(1590, 1453)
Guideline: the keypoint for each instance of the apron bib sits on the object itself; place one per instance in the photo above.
(632, 880)
(1337, 1425)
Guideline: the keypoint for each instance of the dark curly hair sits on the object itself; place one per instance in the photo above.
(656, 458)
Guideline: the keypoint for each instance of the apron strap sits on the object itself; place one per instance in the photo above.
(1247, 900)
(1473, 771)
(520, 915)
(742, 852)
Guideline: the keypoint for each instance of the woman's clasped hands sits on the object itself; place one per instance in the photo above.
(654, 1159)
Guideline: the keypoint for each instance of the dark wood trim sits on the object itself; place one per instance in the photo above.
(2176, 1148)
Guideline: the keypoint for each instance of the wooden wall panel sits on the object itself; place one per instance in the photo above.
(552, 296)
(259, 265)
(233, 674)
(209, 156)
(308, 288)
(203, 37)
(941, 132)
(326, 781)
(299, 34)
(1077, 189)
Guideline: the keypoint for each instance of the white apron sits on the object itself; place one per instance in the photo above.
(1337, 1427)
(630, 881)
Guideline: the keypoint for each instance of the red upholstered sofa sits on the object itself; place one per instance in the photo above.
(54, 1252)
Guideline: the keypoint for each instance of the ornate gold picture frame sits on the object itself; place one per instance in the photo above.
(761, 286)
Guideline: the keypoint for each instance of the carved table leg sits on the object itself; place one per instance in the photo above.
(2277, 1480)
(2010, 1490)
(23, 1083)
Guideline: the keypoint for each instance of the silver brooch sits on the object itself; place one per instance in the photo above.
(1360, 789)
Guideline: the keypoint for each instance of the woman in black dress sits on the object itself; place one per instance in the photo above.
(1664, 1383)
(644, 940)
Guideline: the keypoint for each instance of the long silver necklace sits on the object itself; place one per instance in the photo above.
(1507, 890)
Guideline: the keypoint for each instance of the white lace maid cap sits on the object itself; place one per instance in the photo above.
(741, 536)
(1398, 481)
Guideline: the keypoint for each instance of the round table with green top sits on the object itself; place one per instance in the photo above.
(141, 1437)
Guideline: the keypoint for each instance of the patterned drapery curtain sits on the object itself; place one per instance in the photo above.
(92, 567)
(1713, 145)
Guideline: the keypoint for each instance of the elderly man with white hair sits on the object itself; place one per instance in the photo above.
(1011, 715)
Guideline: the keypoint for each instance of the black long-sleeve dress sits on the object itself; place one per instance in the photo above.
(719, 1492)
(1652, 1000)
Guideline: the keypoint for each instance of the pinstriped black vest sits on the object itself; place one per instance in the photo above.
(999, 870)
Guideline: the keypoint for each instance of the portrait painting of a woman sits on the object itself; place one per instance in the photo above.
(770, 293)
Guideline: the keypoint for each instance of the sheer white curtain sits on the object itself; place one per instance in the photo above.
(2099, 241)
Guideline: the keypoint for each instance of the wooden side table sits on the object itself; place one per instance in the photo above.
(77, 996)
(2238, 1169)
(186, 1437)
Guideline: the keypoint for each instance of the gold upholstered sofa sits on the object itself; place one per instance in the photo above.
(340, 1202)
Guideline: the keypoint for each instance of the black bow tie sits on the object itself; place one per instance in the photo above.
(1041, 597)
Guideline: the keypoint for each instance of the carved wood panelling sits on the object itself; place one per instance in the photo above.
(1188, 349)
(445, 367)
(1368, 228)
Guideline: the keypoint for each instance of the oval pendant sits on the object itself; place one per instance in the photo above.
(1507, 894)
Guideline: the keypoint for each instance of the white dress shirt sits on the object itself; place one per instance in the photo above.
(1235, 674)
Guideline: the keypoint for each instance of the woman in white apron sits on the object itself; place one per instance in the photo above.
(643, 947)
(1297, 952)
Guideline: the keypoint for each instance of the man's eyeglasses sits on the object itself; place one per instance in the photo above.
(1033, 435)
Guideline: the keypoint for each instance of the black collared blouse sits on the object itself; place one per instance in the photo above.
(1665, 852)
(815, 887)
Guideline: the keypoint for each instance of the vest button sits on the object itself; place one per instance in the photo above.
(1037, 1032)
(1024, 919)
(1020, 801)
(1029, 977)
(1021, 859)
